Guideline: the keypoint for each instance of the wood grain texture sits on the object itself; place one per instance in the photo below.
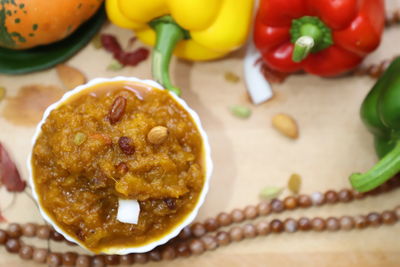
(250, 154)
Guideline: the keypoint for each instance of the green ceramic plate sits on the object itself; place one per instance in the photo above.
(43, 57)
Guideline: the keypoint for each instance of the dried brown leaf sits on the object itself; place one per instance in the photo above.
(70, 76)
(9, 175)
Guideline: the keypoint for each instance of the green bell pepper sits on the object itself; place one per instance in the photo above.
(380, 113)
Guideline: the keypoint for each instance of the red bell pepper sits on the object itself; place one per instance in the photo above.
(322, 37)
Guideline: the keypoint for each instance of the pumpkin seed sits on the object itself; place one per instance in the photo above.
(294, 183)
(231, 77)
(241, 111)
(271, 192)
(2, 93)
(79, 138)
(115, 65)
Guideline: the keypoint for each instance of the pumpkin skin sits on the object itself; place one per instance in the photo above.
(29, 23)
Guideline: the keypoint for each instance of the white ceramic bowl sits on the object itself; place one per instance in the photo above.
(173, 232)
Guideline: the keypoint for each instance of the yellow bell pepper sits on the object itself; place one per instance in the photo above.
(192, 29)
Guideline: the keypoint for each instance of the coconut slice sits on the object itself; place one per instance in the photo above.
(128, 211)
(258, 87)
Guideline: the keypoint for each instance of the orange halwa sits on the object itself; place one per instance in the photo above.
(88, 156)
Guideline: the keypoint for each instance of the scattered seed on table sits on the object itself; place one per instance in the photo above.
(294, 183)
(271, 192)
(286, 125)
(241, 111)
(231, 77)
(115, 65)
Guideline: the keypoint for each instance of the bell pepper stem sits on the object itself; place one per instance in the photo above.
(168, 35)
(309, 35)
(385, 169)
(302, 48)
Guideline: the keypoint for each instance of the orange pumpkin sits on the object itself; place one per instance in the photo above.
(29, 23)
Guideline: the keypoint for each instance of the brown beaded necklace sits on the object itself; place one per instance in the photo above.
(202, 236)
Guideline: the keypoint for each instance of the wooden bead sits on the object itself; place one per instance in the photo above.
(210, 242)
(318, 224)
(394, 182)
(304, 224)
(13, 245)
(98, 261)
(140, 258)
(168, 253)
(198, 229)
(346, 223)
(211, 224)
(69, 258)
(83, 261)
(277, 206)
(224, 219)
(185, 233)
(54, 260)
(249, 230)
(223, 238)
(397, 211)
(3, 237)
(14, 230)
(374, 219)
(389, 217)
(345, 195)
(358, 195)
(304, 201)
(263, 228)
(26, 252)
(332, 224)
(331, 197)
(111, 259)
(29, 229)
(290, 202)
(236, 233)
(183, 250)
(250, 212)
(264, 208)
(237, 216)
(360, 221)
(317, 198)
(384, 188)
(196, 247)
(56, 236)
(290, 225)
(155, 255)
(126, 259)
(374, 192)
(40, 255)
(43, 232)
(276, 226)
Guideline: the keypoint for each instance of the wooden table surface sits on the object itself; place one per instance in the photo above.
(249, 155)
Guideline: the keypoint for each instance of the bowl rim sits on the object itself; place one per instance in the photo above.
(174, 231)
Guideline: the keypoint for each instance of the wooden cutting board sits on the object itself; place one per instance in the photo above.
(249, 155)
